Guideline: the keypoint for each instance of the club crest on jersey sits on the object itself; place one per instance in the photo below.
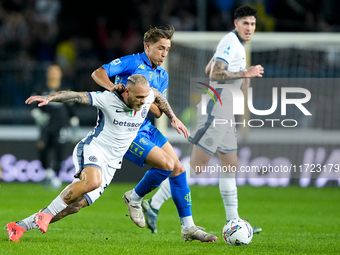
(150, 75)
(144, 112)
(116, 61)
(93, 158)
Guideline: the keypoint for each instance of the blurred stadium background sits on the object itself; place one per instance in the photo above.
(36, 33)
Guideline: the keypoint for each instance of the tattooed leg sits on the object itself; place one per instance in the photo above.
(71, 209)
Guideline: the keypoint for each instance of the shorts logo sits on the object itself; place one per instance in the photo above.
(93, 159)
(144, 112)
(209, 142)
(142, 140)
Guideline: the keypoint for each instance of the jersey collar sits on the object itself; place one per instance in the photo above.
(146, 61)
(121, 98)
(235, 32)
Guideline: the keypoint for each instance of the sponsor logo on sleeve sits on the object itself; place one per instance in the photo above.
(227, 51)
(116, 61)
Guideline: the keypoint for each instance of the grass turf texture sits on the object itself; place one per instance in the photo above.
(294, 220)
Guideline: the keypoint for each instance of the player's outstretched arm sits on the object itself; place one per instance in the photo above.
(61, 97)
(218, 72)
(165, 107)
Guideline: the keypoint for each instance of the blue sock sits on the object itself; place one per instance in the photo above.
(181, 195)
(152, 179)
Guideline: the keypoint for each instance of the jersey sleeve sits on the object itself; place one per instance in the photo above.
(99, 99)
(122, 65)
(225, 49)
(152, 96)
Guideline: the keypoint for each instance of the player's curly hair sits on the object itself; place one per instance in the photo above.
(154, 34)
(244, 11)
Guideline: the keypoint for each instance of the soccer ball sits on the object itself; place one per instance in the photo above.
(237, 232)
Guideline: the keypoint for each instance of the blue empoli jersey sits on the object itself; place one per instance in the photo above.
(123, 67)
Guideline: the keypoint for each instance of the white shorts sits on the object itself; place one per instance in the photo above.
(221, 138)
(89, 155)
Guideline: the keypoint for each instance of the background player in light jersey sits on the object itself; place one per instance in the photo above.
(150, 146)
(227, 67)
(100, 153)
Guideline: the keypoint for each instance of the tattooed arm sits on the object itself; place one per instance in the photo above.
(165, 107)
(163, 104)
(61, 97)
(218, 72)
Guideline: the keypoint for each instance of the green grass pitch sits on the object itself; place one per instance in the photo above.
(294, 220)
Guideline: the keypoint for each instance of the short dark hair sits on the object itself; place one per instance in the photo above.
(154, 34)
(137, 79)
(244, 11)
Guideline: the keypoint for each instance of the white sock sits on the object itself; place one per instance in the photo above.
(189, 171)
(164, 192)
(135, 197)
(56, 206)
(228, 191)
(28, 223)
(187, 222)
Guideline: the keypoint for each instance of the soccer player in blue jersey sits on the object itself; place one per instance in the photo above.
(150, 146)
(227, 66)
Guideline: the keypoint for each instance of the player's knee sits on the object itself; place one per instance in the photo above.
(233, 166)
(178, 167)
(169, 164)
(204, 162)
(164, 162)
(91, 185)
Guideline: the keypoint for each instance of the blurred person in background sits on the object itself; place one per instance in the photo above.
(53, 132)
